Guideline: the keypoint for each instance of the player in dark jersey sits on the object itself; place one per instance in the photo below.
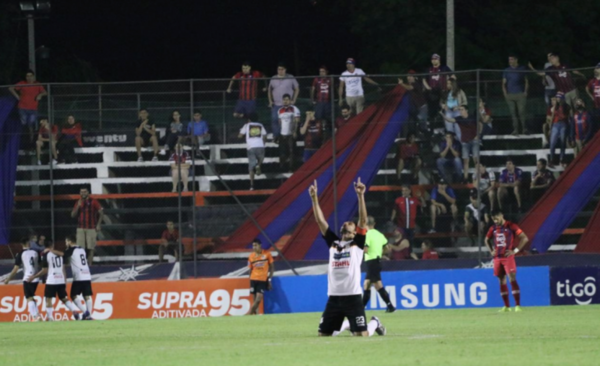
(505, 235)
(29, 259)
(343, 275)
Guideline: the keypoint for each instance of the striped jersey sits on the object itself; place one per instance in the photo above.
(77, 259)
(505, 237)
(54, 263)
(88, 213)
(248, 84)
(30, 261)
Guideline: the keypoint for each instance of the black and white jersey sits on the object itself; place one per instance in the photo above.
(345, 258)
(29, 259)
(477, 215)
(77, 259)
(54, 263)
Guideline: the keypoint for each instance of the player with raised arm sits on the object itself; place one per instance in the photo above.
(261, 271)
(76, 257)
(505, 235)
(29, 260)
(343, 274)
(52, 265)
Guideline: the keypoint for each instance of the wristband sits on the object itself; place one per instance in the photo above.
(516, 250)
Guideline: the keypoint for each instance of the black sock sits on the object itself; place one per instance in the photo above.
(384, 295)
(366, 297)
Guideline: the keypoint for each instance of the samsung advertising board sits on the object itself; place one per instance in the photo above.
(575, 285)
(443, 289)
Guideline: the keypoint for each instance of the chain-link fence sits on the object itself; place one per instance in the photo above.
(119, 142)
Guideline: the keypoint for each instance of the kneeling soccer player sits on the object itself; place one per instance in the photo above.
(261, 271)
(505, 234)
(52, 265)
(343, 274)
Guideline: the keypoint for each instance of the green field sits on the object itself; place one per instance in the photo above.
(537, 336)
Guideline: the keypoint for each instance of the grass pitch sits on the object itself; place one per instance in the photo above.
(567, 335)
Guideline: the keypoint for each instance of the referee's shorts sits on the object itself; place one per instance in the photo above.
(374, 270)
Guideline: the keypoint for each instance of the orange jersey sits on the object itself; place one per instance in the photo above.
(259, 265)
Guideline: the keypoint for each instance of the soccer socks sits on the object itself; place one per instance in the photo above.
(78, 301)
(89, 305)
(366, 297)
(33, 308)
(504, 293)
(372, 326)
(345, 327)
(516, 292)
(50, 312)
(385, 296)
(70, 306)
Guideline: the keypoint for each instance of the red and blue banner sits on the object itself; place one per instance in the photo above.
(10, 134)
(361, 146)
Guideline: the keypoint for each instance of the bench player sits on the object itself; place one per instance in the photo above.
(30, 261)
(505, 235)
(52, 266)
(343, 274)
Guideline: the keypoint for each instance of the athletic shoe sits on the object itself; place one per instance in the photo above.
(258, 172)
(251, 188)
(39, 162)
(76, 315)
(140, 159)
(155, 158)
(54, 162)
(380, 330)
(431, 231)
(86, 316)
(505, 309)
(390, 309)
(518, 309)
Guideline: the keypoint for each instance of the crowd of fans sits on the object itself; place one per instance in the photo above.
(438, 104)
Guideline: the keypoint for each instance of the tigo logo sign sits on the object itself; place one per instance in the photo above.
(575, 285)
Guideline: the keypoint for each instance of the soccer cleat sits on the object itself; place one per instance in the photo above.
(390, 309)
(76, 315)
(36, 318)
(518, 309)
(85, 315)
(505, 309)
(380, 330)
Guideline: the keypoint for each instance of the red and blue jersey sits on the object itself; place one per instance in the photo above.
(562, 78)
(505, 237)
(508, 177)
(322, 89)
(581, 126)
(435, 79)
(248, 84)
(594, 88)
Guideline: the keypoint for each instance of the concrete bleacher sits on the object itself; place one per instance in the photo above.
(115, 171)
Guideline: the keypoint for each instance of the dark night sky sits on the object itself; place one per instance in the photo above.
(160, 39)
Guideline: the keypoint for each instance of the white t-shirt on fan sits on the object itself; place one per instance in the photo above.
(353, 81)
(254, 132)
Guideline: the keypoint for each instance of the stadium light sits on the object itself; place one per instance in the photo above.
(31, 9)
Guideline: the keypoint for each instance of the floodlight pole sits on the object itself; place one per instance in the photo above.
(31, 41)
(450, 34)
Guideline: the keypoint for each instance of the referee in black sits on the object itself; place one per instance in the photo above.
(374, 244)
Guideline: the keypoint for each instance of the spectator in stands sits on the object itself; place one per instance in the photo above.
(511, 177)
(581, 126)
(320, 94)
(198, 133)
(542, 179)
(477, 215)
(453, 99)
(248, 84)
(485, 119)
(346, 114)
(405, 211)
(563, 79)
(486, 182)
(69, 139)
(351, 80)
(180, 157)
(145, 134)
(89, 222)
(281, 84)
(256, 136)
(515, 87)
(408, 156)
(450, 152)
(418, 103)
(593, 90)
(443, 200)
(559, 115)
(428, 251)
(28, 92)
(547, 81)
(469, 138)
(44, 135)
(35, 244)
(175, 132)
(547, 127)
(169, 241)
(436, 84)
(289, 118)
(398, 247)
(312, 130)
